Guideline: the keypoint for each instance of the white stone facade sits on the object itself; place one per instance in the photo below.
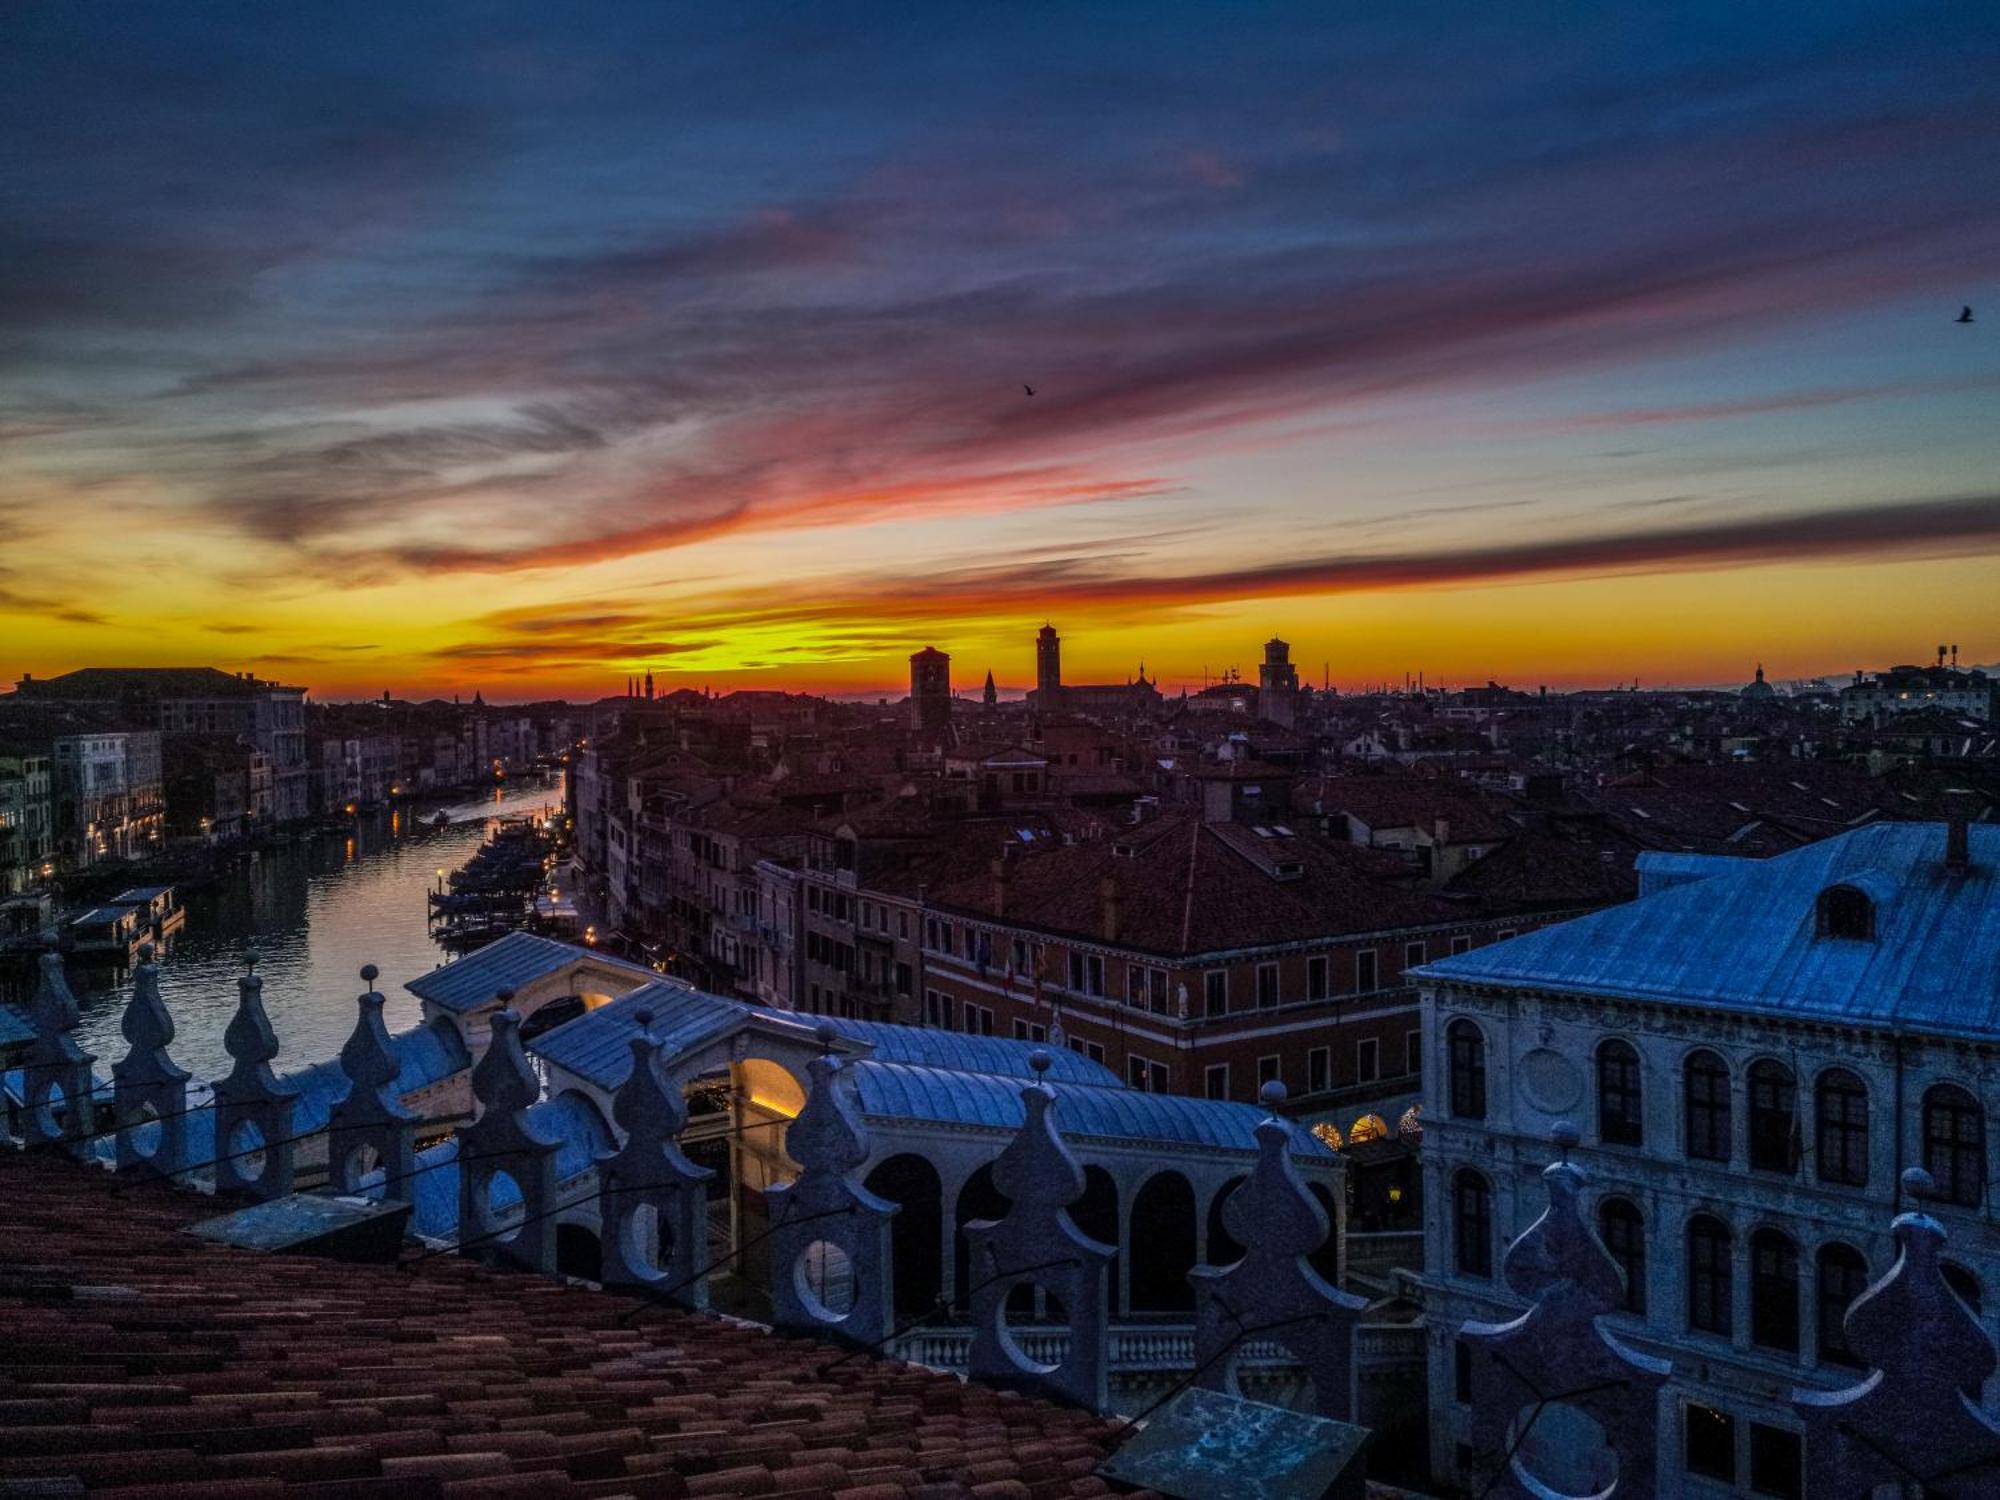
(1541, 1055)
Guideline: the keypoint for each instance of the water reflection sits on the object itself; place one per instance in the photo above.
(316, 911)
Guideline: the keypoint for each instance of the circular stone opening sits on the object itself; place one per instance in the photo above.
(500, 1208)
(362, 1162)
(245, 1151)
(646, 1240)
(143, 1132)
(1562, 1453)
(824, 1279)
(1034, 1327)
(49, 1117)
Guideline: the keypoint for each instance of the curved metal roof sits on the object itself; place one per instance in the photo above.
(926, 1046)
(507, 963)
(897, 1091)
(1748, 939)
(596, 1046)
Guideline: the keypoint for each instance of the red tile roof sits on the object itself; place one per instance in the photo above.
(140, 1361)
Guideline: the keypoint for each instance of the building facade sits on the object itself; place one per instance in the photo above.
(1753, 1052)
(27, 819)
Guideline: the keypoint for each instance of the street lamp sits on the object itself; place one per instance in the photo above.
(440, 884)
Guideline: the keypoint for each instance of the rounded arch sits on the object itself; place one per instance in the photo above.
(1410, 1126)
(1472, 1222)
(1367, 1128)
(550, 1014)
(1328, 1135)
(916, 1233)
(1846, 911)
(1163, 1244)
(1705, 1106)
(1096, 1214)
(1622, 1227)
(1954, 1126)
(1223, 1247)
(1465, 1069)
(977, 1199)
(1840, 1274)
(1774, 1290)
(1773, 1091)
(1710, 1274)
(1620, 1117)
(1840, 1127)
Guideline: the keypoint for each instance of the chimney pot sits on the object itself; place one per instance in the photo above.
(1108, 892)
(1958, 832)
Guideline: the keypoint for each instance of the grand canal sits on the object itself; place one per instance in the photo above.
(316, 912)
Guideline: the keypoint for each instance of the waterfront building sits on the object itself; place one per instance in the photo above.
(1753, 1051)
(198, 701)
(27, 817)
(110, 801)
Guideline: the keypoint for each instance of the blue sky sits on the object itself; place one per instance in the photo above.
(450, 344)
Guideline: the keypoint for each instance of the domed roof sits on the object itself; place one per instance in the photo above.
(1759, 688)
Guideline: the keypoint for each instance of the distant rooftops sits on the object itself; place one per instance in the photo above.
(149, 682)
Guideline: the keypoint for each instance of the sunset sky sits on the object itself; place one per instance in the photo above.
(435, 347)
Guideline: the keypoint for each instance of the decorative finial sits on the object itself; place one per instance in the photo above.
(1565, 1135)
(145, 953)
(1919, 1184)
(505, 994)
(251, 958)
(1272, 1093)
(368, 973)
(1039, 1061)
(826, 1035)
(642, 1018)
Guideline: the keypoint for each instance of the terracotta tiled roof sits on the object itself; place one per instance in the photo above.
(142, 1362)
(1189, 887)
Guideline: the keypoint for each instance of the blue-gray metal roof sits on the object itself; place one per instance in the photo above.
(141, 893)
(510, 962)
(15, 1025)
(1747, 939)
(596, 1046)
(926, 1046)
(897, 1091)
(1662, 870)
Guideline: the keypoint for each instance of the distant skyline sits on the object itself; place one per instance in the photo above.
(520, 348)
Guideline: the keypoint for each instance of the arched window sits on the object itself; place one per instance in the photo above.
(1955, 1144)
(1467, 1048)
(1774, 1291)
(1774, 1104)
(1705, 1101)
(1618, 1100)
(1845, 912)
(1709, 1275)
(1840, 1118)
(1843, 1276)
(1472, 1223)
(1624, 1232)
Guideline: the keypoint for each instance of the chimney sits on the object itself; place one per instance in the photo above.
(1003, 876)
(1108, 896)
(1442, 832)
(1957, 831)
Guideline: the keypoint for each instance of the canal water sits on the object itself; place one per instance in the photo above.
(316, 912)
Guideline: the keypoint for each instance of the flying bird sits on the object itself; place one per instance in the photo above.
(1964, 316)
(1031, 390)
